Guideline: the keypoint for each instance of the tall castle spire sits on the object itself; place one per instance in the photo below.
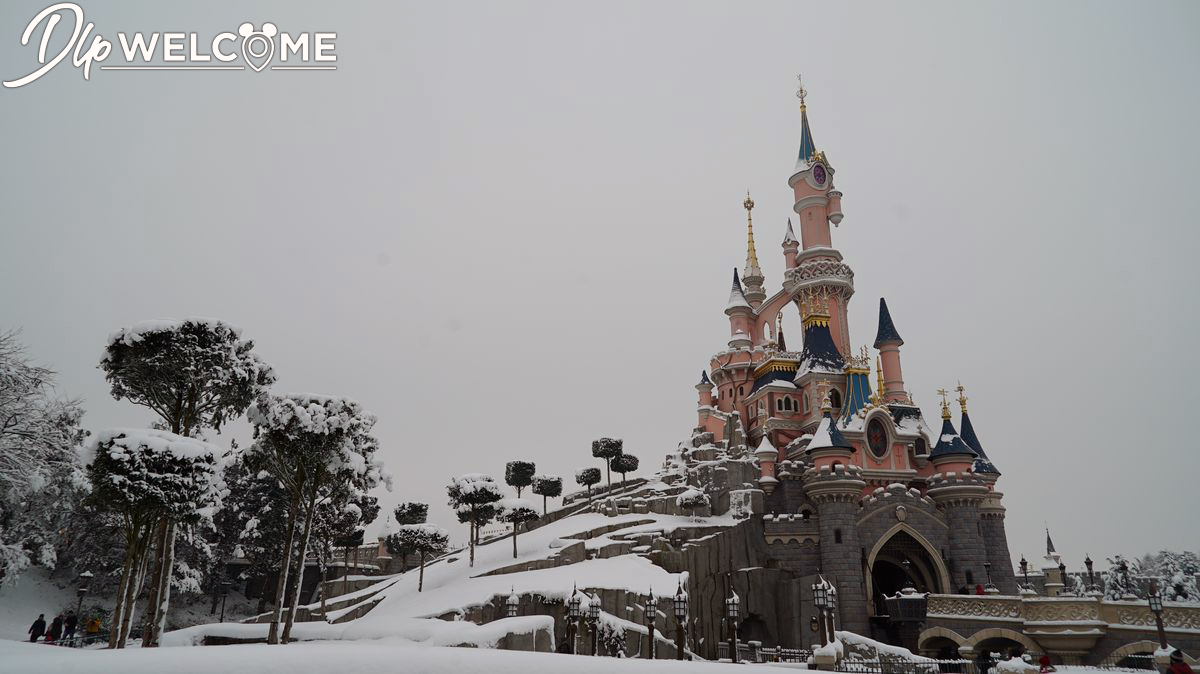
(807, 147)
(752, 275)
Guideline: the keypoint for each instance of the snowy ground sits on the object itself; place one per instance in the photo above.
(322, 657)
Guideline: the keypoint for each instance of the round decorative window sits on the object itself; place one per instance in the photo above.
(877, 439)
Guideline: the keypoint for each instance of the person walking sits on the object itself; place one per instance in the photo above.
(69, 625)
(38, 628)
(1178, 666)
(56, 627)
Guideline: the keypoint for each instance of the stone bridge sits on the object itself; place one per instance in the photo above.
(1072, 630)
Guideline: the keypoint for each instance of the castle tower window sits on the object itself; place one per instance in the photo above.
(970, 579)
(877, 439)
(835, 399)
(837, 538)
(804, 397)
(920, 447)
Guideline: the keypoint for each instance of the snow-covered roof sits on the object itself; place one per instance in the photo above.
(737, 298)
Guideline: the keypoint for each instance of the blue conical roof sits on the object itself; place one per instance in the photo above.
(982, 464)
(887, 330)
(950, 443)
(704, 380)
(819, 353)
(807, 146)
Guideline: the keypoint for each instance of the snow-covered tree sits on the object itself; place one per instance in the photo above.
(516, 511)
(39, 471)
(311, 444)
(624, 463)
(473, 497)
(519, 474)
(195, 374)
(1175, 573)
(411, 512)
(1119, 584)
(147, 476)
(423, 539)
(586, 477)
(547, 486)
(691, 500)
(607, 449)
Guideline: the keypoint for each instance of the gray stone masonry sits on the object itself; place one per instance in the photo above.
(960, 496)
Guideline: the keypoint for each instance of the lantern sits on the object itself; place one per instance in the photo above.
(680, 604)
(512, 605)
(732, 606)
(573, 606)
(593, 608)
(820, 596)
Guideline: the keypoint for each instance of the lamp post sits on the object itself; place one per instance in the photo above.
(987, 570)
(225, 585)
(594, 619)
(909, 609)
(1124, 569)
(1025, 571)
(732, 609)
(821, 601)
(85, 579)
(512, 605)
(572, 617)
(1062, 577)
(829, 615)
(1087, 561)
(649, 613)
(679, 603)
(1156, 607)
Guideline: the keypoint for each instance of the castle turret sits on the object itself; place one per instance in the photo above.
(705, 387)
(836, 490)
(767, 457)
(983, 465)
(752, 275)
(791, 246)
(991, 511)
(740, 314)
(888, 341)
(960, 493)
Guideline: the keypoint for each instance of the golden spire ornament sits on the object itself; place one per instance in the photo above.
(752, 268)
(962, 397)
(800, 92)
(945, 404)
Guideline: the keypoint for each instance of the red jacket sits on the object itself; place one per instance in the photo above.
(1179, 668)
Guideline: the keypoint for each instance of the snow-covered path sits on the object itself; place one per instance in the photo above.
(324, 657)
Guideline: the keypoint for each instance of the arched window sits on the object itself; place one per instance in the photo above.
(877, 438)
(835, 399)
(920, 448)
(837, 537)
(804, 397)
(741, 390)
(779, 404)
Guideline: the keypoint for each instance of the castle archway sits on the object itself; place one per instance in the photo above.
(1001, 640)
(886, 566)
(940, 642)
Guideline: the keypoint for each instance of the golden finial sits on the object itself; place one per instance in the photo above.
(800, 92)
(945, 405)
(752, 268)
(962, 397)
(748, 204)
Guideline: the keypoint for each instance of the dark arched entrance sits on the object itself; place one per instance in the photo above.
(889, 572)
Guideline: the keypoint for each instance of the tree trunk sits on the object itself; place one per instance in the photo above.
(114, 630)
(543, 505)
(421, 573)
(135, 588)
(471, 542)
(149, 615)
(608, 474)
(164, 587)
(514, 540)
(298, 583)
(589, 488)
(281, 585)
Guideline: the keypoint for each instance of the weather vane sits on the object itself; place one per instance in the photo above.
(800, 92)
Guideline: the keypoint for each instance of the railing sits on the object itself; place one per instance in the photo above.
(81, 640)
(753, 651)
(1129, 662)
(901, 666)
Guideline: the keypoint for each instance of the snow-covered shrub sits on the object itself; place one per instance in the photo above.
(515, 511)
(586, 477)
(519, 474)
(606, 449)
(692, 499)
(624, 463)
(423, 539)
(473, 497)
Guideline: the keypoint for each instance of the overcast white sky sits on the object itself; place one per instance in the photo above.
(507, 228)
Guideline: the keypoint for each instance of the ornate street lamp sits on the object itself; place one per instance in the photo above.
(833, 602)
(987, 569)
(1124, 569)
(1087, 561)
(225, 585)
(1156, 607)
(572, 617)
(1025, 571)
(1062, 577)
(512, 605)
(680, 604)
(909, 608)
(649, 613)
(593, 612)
(732, 609)
(821, 601)
(85, 580)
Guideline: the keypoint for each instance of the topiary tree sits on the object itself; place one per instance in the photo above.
(423, 539)
(607, 449)
(515, 511)
(547, 486)
(411, 512)
(473, 497)
(148, 476)
(624, 463)
(519, 474)
(194, 373)
(692, 499)
(587, 477)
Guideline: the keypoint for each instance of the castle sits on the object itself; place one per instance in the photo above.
(858, 486)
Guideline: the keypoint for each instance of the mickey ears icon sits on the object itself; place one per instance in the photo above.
(268, 29)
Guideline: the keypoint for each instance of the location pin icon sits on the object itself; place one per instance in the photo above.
(258, 48)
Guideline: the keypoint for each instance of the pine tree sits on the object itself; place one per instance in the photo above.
(473, 497)
(547, 486)
(606, 449)
(624, 463)
(423, 539)
(519, 474)
(194, 374)
(148, 476)
(516, 511)
(312, 445)
(587, 477)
